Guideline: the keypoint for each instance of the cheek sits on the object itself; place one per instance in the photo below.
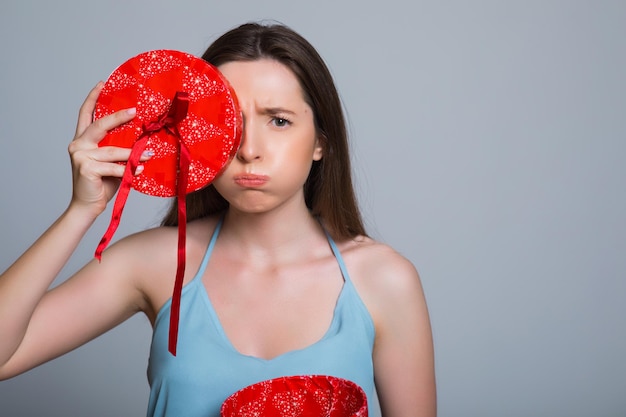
(220, 181)
(294, 159)
(303, 147)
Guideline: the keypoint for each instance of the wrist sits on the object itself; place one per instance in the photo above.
(82, 213)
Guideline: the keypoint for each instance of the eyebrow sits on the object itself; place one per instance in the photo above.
(271, 111)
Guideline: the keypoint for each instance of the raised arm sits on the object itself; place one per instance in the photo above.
(37, 324)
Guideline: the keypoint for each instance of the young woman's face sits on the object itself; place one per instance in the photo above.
(279, 141)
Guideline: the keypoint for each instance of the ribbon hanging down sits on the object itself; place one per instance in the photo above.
(169, 122)
(188, 115)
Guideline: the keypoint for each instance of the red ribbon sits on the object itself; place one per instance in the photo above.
(168, 121)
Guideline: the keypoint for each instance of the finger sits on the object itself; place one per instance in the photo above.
(85, 114)
(116, 154)
(99, 128)
(108, 170)
(94, 169)
(99, 169)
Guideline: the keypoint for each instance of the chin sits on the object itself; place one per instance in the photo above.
(249, 207)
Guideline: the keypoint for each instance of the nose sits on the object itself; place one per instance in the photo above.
(250, 148)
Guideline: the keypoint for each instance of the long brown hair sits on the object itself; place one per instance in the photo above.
(328, 190)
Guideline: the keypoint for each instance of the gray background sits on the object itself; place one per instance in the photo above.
(489, 140)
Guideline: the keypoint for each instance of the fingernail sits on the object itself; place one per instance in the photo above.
(132, 111)
(139, 170)
(147, 154)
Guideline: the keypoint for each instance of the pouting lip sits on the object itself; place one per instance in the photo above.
(250, 180)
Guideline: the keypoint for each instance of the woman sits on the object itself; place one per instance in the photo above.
(281, 277)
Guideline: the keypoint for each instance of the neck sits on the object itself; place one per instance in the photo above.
(278, 233)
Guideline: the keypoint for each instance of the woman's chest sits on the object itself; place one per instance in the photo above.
(265, 313)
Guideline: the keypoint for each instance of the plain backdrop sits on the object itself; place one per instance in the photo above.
(488, 139)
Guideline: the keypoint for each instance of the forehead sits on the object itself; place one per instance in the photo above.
(263, 81)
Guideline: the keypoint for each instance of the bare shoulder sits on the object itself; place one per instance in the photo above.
(379, 272)
(158, 245)
(390, 287)
(150, 257)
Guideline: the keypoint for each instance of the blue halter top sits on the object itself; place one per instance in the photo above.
(207, 368)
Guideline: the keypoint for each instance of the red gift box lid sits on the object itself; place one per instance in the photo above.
(302, 396)
(211, 129)
(188, 115)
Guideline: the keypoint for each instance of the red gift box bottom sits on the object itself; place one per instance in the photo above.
(302, 396)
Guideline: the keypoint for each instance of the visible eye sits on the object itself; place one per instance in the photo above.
(280, 122)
